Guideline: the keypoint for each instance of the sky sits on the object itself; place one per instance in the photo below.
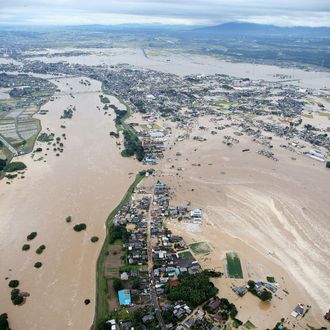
(178, 12)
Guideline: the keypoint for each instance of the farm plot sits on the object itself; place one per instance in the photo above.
(9, 132)
(185, 254)
(200, 248)
(234, 267)
(28, 128)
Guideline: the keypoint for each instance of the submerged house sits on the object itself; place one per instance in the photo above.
(298, 311)
(196, 215)
(327, 316)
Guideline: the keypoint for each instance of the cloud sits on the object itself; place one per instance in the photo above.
(278, 12)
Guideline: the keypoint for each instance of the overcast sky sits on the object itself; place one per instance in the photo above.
(189, 12)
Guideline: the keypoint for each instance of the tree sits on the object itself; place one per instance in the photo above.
(118, 233)
(38, 264)
(117, 284)
(26, 247)
(80, 227)
(13, 284)
(233, 311)
(15, 166)
(31, 236)
(328, 164)
(3, 163)
(136, 283)
(40, 249)
(16, 297)
(266, 295)
(4, 325)
(132, 145)
(193, 289)
(251, 284)
(94, 239)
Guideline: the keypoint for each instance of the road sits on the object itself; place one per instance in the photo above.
(152, 289)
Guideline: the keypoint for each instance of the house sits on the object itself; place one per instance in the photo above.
(200, 314)
(214, 304)
(156, 134)
(298, 311)
(240, 291)
(270, 287)
(114, 325)
(124, 276)
(178, 313)
(147, 318)
(196, 215)
(124, 297)
(190, 322)
(162, 254)
(127, 325)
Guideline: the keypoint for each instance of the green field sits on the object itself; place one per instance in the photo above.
(225, 111)
(223, 102)
(146, 128)
(310, 116)
(324, 114)
(200, 248)
(234, 267)
(249, 325)
(185, 254)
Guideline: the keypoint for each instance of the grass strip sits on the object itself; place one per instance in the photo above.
(101, 304)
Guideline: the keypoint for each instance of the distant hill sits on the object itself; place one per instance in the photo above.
(250, 29)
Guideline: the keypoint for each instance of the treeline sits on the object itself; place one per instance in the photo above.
(133, 145)
(193, 289)
(4, 325)
(263, 295)
(3, 163)
(118, 233)
(120, 115)
(11, 167)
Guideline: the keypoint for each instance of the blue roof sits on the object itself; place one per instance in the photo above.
(124, 297)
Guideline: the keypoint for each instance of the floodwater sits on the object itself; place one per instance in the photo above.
(87, 181)
(274, 214)
(185, 64)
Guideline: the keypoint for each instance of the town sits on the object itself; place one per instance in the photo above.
(260, 109)
(149, 277)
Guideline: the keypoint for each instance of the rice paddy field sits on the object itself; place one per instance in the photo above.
(17, 125)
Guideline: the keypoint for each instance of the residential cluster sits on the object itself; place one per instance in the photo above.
(162, 285)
